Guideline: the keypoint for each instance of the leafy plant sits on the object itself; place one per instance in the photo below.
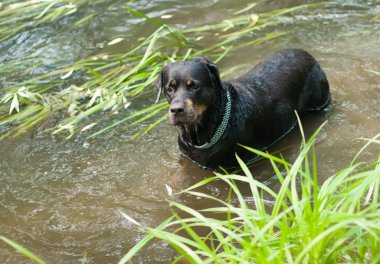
(338, 222)
(112, 82)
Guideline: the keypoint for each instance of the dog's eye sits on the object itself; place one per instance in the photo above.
(169, 89)
(171, 86)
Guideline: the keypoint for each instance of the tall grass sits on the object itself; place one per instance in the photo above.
(337, 222)
(112, 82)
(18, 16)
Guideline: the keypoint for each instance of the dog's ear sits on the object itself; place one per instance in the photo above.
(159, 84)
(214, 72)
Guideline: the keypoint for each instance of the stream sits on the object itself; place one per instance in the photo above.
(61, 198)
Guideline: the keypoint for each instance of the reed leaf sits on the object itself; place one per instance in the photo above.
(124, 76)
(22, 250)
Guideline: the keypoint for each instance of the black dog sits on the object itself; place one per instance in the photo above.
(255, 109)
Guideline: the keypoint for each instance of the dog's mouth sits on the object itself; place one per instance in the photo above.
(190, 114)
(184, 118)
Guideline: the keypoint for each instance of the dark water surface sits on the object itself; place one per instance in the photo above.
(60, 198)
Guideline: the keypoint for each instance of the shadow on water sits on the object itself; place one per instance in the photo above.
(60, 198)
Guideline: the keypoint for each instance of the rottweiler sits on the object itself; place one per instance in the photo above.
(256, 109)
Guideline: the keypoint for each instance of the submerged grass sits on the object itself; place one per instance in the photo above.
(18, 16)
(111, 82)
(338, 222)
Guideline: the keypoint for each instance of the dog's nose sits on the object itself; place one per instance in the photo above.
(177, 109)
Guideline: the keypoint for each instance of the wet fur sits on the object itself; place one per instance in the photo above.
(264, 102)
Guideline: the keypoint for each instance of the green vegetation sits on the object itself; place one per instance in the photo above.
(110, 82)
(22, 250)
(338, 222)
(18, 16)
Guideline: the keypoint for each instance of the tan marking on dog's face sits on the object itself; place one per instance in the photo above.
(189, 104)
(189, 82)
(199, 109)
(173, 83)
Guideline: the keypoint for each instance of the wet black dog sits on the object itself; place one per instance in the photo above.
(255, 109)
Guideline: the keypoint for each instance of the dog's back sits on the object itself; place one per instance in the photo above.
(269, 94)
(290, 71)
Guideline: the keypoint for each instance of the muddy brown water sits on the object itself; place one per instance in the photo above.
(60, 198)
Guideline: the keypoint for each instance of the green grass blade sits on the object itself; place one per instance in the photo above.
(142, 243)
(22, 250)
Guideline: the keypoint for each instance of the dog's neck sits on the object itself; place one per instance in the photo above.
(214, 122)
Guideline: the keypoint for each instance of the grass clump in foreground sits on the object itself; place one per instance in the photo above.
(338, 222)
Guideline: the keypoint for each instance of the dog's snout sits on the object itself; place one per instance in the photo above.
(177, 108)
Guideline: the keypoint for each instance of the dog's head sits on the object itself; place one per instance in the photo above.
(189, 87)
